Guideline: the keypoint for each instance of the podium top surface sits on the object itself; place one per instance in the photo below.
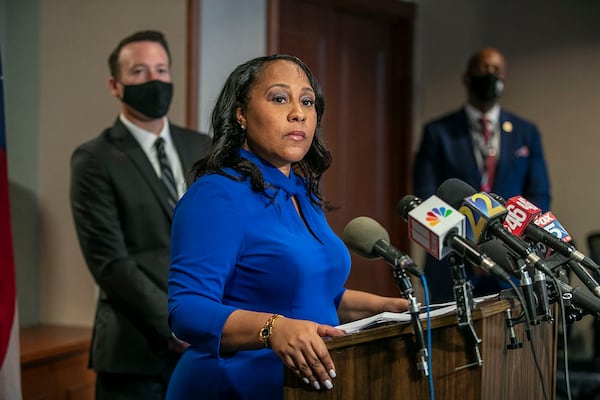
(391, 329)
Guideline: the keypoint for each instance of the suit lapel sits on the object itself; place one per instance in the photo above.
(126, 143)
(191, 146)
(507, 148)
(184, 151)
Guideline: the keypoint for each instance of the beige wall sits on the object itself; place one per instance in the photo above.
(553, 51)
(55, 69)
(553, 54)
(75, 105)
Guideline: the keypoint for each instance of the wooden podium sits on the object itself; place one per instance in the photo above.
(380, 363)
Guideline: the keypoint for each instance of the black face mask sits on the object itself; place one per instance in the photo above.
(485, 87)
(151, 98)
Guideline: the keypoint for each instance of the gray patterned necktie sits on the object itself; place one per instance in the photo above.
(166, 173)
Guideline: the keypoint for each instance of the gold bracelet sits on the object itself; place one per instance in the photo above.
(265, 333)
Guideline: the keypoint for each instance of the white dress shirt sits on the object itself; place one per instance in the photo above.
(146, 139)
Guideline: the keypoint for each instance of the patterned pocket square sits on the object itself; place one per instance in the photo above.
(522, 151)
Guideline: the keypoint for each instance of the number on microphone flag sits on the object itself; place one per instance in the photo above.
(520, 213)
(480, 209)
(550, 224)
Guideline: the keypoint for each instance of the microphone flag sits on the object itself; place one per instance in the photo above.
(430, 222)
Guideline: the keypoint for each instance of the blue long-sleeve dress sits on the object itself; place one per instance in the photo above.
(233, 248)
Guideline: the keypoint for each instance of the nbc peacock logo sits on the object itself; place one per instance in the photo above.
(434, 216)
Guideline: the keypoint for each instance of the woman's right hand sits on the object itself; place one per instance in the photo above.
(300, 345)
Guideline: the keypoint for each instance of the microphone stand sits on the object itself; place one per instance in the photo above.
(561, 272)
(463, 293)
(405, 285)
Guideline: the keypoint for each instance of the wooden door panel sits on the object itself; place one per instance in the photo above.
(361, 162)
(353, 49)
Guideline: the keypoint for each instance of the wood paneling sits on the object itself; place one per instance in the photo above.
(380, 364)
(54, 363)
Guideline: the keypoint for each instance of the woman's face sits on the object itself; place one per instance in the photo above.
(280, 118)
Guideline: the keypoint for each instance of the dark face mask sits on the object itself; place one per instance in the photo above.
(485, 87)
(151, 98)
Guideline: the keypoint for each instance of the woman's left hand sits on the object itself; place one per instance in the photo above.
(395, 304)
(300, 346)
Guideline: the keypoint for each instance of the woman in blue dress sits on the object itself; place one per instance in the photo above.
(257, 275)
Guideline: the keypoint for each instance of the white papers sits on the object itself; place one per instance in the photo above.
(435, 311)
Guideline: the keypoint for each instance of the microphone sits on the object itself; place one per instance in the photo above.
(438, 228)
(582, 298)
(524, 218)
(552, 233)
(429, 222)
(479, 217)
(521, 213)
(540, 289)
(367, 238)
(587, 279)
(535, 291)
(531, 300)
(485, 217)
(555, 236)
(509, 261)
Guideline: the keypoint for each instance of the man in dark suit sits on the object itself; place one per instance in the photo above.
(123, 189)
(486, 146)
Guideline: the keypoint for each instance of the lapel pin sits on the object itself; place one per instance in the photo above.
(507, 126)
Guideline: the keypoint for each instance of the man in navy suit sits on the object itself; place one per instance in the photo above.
(122, 210)
(487, 147)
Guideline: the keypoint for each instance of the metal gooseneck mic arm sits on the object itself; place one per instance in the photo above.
(369, 239)
(463, 294)
(405, 285)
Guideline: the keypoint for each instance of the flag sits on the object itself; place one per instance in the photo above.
(10, 367)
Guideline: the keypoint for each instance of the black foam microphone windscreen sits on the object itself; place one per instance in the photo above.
(453, 191)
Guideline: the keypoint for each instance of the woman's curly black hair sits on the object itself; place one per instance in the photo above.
(229, 137)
